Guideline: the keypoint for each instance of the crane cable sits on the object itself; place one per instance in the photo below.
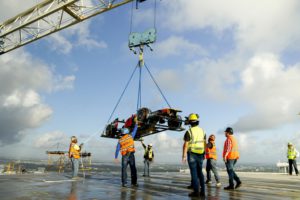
(131, 15)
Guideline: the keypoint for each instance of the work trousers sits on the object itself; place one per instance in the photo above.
(211, 165)
(231, 174)
(129, 159)
(75, 166)
(291, 164)
(146, 167)
(196, 162)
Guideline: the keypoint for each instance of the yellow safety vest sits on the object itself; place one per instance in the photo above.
(149, 153)
(196, 143)
(291, 154)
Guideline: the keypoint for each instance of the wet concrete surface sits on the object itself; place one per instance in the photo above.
(158, 186)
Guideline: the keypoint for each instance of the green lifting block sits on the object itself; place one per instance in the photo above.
(139, 39)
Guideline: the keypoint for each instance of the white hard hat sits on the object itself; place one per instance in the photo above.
(150, 144)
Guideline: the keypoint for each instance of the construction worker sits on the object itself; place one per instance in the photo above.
(194, 144)
(230, 157)
(292, 154)
(126, 147)
(211, 160)
(74, 155)
(148, 158)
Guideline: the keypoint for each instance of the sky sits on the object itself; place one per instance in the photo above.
(235, 63)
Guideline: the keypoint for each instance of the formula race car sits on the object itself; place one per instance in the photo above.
(148, 123)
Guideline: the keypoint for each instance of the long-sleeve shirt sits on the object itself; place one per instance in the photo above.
(227, 146)
(119, 146)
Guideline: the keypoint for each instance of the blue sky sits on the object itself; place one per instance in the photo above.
(235, 65)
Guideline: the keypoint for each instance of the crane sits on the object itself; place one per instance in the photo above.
(49, 17)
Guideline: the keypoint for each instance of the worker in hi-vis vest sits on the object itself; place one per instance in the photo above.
(230, 157)
(194, 148)
(74, 155)
(292, 155)
(126, 147)
(148, 158)
(211, 160)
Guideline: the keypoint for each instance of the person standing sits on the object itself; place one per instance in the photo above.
(194, 143)
(126, 147)
(148, 158)
(211, 160)
(230, 157)
(74, 155)
(292, 155)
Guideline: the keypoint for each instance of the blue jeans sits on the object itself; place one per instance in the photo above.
(293, 163)
(231, 174)
(75, 167)
(196, 161)
(211, 165)
(146, 167)
(129, 159)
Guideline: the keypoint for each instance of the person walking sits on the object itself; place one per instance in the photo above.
(148, 158)
(292, 155)
(194, 143)
(126, 147)
(74, 155)
(211, 160)
(230, 157)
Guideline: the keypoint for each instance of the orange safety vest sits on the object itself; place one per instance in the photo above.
(126, 144)
(234, 153)
(211, 153)
(73, 152)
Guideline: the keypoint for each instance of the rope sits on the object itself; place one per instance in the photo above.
(139, 100)
(155, 12)
(122, 94)
(131, 18)
(157, 86)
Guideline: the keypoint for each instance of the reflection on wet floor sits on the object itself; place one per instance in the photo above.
(159, 186)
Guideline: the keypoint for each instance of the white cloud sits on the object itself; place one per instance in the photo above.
(169, 80)
(178, 46)
(76, 36)
(21, 106)
(52, 140)
(260, 26)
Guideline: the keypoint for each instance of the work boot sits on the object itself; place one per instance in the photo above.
(208, 182)
(135, 185)
(218, 184)
(238, 185)
(202, 194)
(189, 187)
(194, 194)
(229, 187)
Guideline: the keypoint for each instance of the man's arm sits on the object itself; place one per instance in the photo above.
(184, 151)
(143, 144)
(117, 150)
(134, 130)
(228, 147)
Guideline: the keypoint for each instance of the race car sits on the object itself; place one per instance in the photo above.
(148, 123)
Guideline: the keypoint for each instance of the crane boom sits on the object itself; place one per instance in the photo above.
(49, 17)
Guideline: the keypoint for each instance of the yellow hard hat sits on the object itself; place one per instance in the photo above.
(193, 117)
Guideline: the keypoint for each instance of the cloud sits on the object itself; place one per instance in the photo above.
(22, 78)
(271, 87)
(169, 80)
(52, 140)
(76, 36)
(259, 26)
(178, 46)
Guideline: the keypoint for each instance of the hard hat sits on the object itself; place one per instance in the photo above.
(212, 137)
(290, 144)
(150, 145)
(193, 117)
(229, 130)
(73, 138)
(124, 131)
